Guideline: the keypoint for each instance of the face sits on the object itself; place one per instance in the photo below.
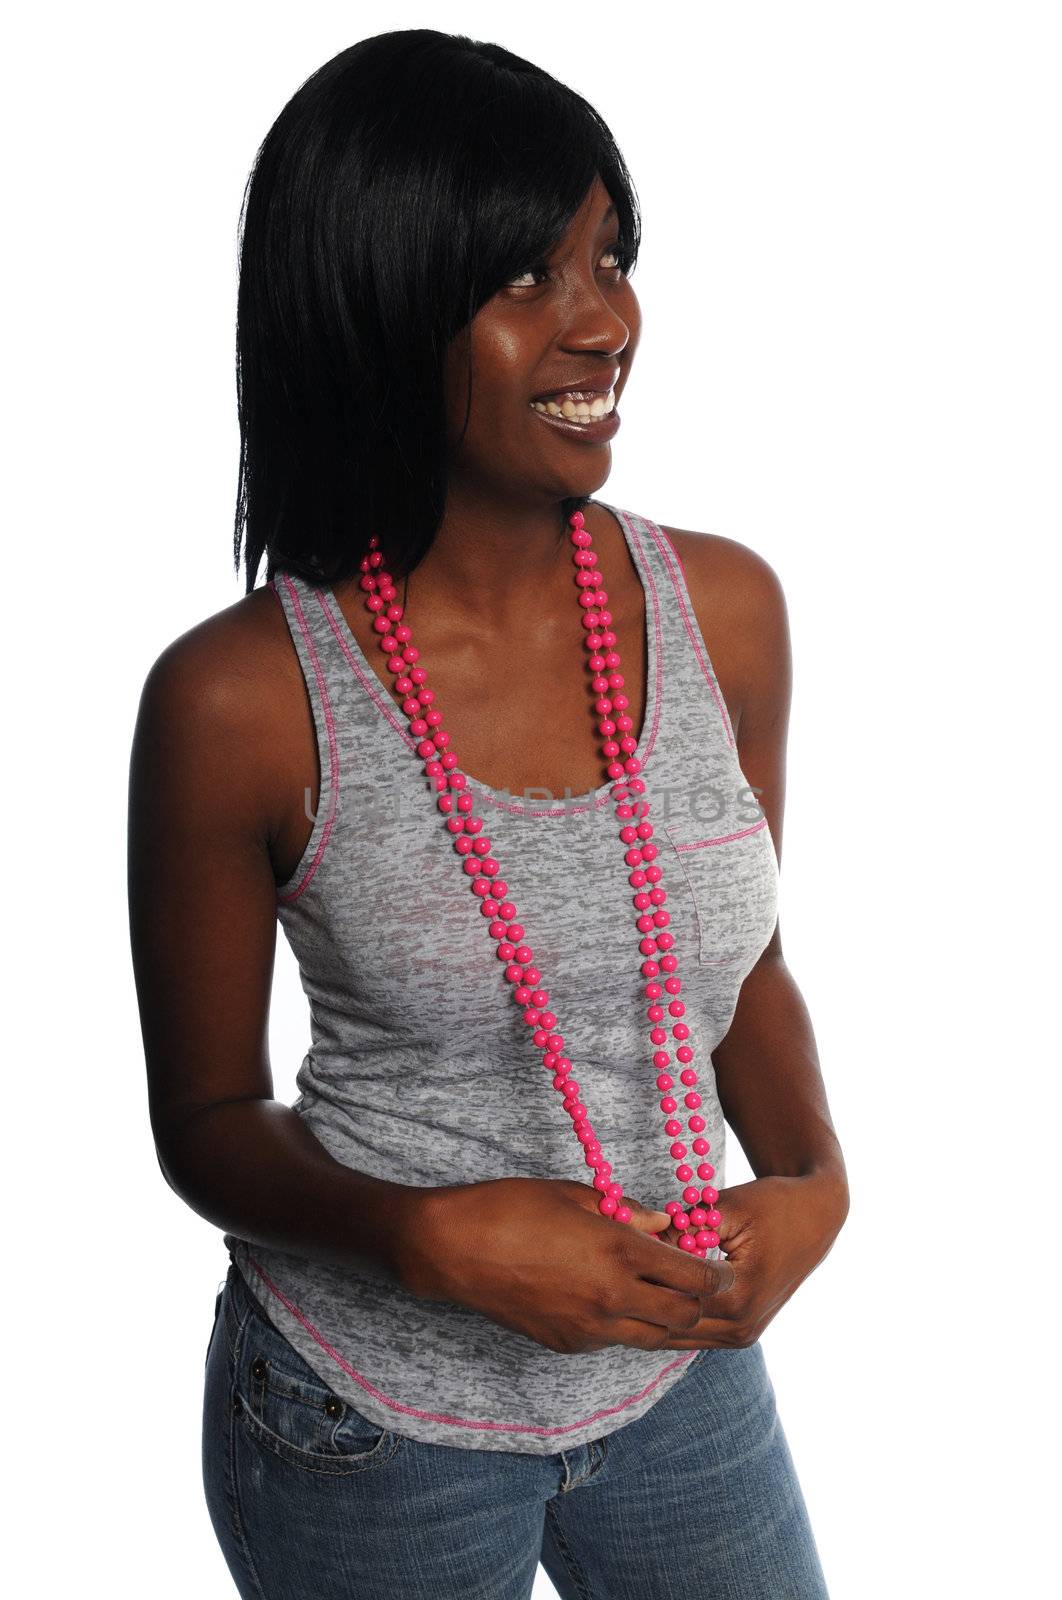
(570, 323)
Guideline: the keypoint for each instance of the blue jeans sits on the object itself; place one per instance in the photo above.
(698, 1497)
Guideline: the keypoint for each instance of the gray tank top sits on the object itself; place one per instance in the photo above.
(421, 1068)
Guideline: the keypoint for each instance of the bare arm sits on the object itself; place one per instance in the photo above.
(767, 1068)
(203, 928)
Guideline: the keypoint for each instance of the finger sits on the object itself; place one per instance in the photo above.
(678, 1269)
(644, 1220)
(640, 1334)
(670, 1309)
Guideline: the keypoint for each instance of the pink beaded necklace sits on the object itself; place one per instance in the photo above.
(697, 1225)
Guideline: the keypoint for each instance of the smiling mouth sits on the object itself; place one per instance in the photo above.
(577, 406)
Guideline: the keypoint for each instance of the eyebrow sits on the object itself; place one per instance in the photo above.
(611, 212)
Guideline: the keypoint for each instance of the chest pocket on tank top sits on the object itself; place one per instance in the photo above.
(733, 879)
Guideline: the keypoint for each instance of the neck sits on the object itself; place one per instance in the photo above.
(519, 556)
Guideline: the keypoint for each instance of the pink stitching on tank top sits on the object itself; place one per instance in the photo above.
(372, 689)
(724, 838)
(691, 628)
(333, 749)
(458, 1422)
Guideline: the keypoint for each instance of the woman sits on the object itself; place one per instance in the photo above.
(449, 1345)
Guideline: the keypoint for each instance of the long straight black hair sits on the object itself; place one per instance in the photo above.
(403, 184)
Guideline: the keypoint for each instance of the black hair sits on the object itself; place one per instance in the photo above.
(401, 186)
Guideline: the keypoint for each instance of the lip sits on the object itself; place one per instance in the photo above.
(594, 384)
(595, 432)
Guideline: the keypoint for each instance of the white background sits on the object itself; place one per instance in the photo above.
(850, 361)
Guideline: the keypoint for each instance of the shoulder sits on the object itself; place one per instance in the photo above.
(726, 573)
(217, 701)
(741, 611)
(216, 668)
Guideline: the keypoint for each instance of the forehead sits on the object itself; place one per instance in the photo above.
(596, 211)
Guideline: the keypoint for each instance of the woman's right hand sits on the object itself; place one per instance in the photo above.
(537, 1256)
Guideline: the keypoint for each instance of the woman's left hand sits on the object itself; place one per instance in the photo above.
(774, 1232)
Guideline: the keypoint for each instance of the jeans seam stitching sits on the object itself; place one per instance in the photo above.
(233, 1475)
(575, 1571)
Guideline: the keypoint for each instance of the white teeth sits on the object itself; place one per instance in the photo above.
(578, 410)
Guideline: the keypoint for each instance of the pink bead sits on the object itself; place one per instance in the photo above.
(607, 1205)
(623, 1213)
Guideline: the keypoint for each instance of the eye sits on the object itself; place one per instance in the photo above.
(540, 271)
(620, 253)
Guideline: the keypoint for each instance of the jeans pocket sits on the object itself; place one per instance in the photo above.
(288, 1409)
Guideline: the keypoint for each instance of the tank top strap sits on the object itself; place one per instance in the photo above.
(686, 665)
(300, 609)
